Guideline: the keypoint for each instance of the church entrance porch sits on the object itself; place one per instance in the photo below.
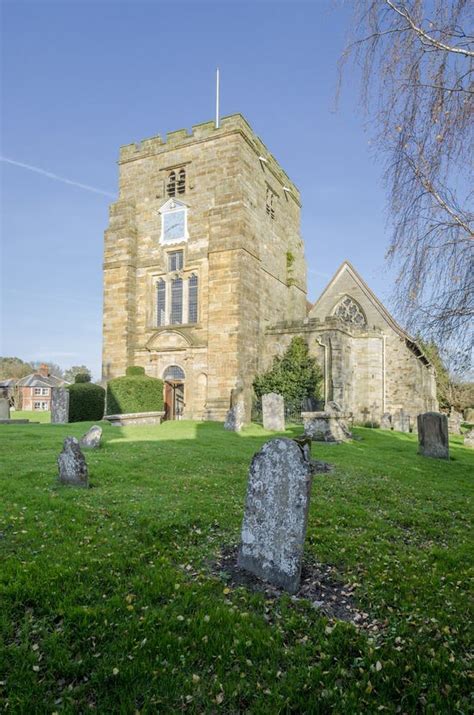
(173, 378)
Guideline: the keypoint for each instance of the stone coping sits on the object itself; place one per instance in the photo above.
(325, 415)
(135, 418)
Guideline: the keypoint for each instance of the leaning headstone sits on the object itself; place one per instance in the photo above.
(454, 421)
(59, 406)
(325, 427)
(386, 421)
(91, 439)
(4, 409)
(433, 437)
(235, 417)
(273, 410)
(401, 421)
(469, 438)
(276, 511)
(72, 464)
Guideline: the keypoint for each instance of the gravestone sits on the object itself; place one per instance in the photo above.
(325, 427)
(72, 464)
(433, 437)
(4, 409)
(235, 418)
(454, 422)
(91, 439)
(276, 511)
(386, 421)
(273, 410)
(469, 415)
(59, 406)
(469, 438)
(401, 421)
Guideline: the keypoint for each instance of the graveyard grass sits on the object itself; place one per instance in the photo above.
(108, 602)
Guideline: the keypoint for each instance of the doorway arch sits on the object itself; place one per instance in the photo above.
(173, 379)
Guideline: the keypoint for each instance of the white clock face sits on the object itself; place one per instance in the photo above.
(173, 226)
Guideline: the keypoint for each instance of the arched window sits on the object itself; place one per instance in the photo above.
(161, 302)
(181, 185)
(176, 316)
(171, 184)
(349, 311)
(173, 372)
(193, 299)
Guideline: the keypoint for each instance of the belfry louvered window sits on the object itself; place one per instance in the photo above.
(193, 299)
(161, 302)
(181, 183)
(176, 301)
(171, 184)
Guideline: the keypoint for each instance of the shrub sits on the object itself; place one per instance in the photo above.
(86, 402)
(134, 393)
(133, 370)
(82, 377)
(295, 375)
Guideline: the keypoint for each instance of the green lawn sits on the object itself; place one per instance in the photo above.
(42, 416)
(107, 602)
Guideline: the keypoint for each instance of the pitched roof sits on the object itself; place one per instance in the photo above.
(349, 268)
(37, 380)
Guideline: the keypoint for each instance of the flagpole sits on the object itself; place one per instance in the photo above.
(217, 98)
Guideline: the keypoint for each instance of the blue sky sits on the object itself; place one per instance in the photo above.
(81, 78)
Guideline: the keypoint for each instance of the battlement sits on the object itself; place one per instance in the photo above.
(204, 132)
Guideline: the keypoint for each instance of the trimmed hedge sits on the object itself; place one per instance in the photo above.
(134, 393)
(134, 370)
(82, 377)
(86, 402)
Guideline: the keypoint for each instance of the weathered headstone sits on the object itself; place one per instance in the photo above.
(235, 417)
(72, 464)
(433, 436)
(59, 405)
(469, 438)
(401, 421)
(4, 409)
(469, 415)
(276, 511)
(386, 421)
(273, 410)
(454, 421)
(91, 439)
(325, 427)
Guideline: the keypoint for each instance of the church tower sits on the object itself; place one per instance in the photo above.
(203, 252)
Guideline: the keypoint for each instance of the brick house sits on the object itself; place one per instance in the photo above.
(36, 389)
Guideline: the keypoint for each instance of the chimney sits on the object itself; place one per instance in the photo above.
(43, 370)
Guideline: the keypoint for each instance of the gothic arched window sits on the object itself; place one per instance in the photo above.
(193, 299)
(349, 311)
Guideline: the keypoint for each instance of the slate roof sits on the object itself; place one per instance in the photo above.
(37, 380)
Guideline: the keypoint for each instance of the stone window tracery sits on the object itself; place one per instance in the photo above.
(349, 311)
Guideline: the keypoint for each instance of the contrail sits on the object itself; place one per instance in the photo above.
(58, 178)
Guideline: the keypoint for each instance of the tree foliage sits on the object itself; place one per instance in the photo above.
(71, 372)
(450, 390)
(295, 375)
(14, 368)
(417, 58)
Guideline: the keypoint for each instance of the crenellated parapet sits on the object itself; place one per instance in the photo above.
(205, 132)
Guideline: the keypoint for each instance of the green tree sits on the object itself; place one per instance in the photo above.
(14, 368)
(295, 375)
(71, 372)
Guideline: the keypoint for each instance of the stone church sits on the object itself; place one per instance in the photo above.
(205, 281)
